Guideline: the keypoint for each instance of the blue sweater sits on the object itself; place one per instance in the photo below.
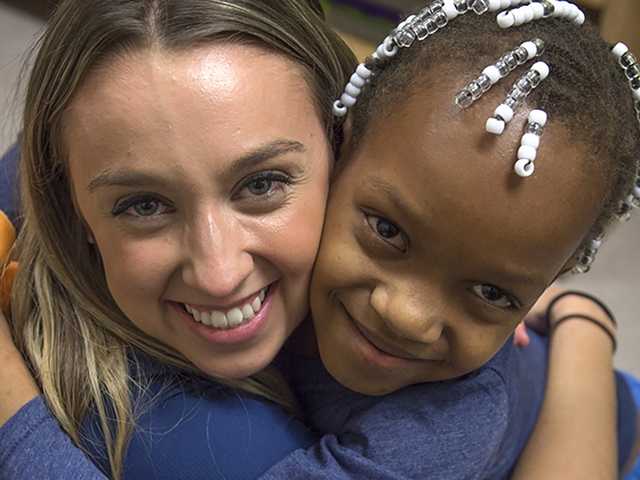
(469, 428)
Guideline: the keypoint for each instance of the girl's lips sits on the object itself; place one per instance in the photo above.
(243, 333)
(380, 355)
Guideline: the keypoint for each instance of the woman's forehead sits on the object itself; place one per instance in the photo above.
(210, 102)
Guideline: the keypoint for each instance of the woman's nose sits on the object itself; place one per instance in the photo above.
(218, 259)
(408, 315)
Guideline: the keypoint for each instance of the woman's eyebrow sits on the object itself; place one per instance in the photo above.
(126, 177)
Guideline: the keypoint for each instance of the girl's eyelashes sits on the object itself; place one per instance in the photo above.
(387, 231)
(263, 185)
(144, 206)
(496, 297)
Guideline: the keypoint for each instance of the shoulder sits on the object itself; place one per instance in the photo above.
(201, 429)
(450, 429)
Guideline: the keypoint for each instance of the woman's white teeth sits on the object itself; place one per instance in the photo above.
(232, 318)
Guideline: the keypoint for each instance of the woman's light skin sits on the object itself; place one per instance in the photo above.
(434, 249)
(202, 183)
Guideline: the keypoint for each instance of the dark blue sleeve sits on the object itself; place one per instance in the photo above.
(32, 445)
(441, 430)
(9, 184)
(211, 433)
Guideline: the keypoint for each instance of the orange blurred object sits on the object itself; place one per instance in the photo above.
(8, 274)
(6, 282)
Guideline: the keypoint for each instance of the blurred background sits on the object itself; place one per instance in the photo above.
(616, 274)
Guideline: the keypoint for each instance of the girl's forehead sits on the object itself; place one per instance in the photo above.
(459, 181)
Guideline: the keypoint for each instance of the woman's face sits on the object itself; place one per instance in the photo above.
(202, 177)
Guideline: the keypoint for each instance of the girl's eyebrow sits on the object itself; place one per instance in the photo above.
(396, 198)
(126, 177)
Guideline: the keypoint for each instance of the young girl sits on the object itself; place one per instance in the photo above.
(227, 455)
(447, 220)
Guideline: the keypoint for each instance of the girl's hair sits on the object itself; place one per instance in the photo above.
(586, 92)
(64, 319)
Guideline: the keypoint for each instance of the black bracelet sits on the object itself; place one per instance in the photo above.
(583, 295)
(589, 319)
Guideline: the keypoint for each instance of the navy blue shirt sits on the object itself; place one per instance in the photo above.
(9, 184)
(474, 427)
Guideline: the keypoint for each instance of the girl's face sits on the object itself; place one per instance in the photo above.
(202, 177)
(434, 249)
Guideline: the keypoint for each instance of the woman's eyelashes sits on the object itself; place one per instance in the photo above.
(142, 206)
(496, 296)
(264, 190)
(262, 186)
(387, 231)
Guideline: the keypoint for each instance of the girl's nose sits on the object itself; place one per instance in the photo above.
(408, 315)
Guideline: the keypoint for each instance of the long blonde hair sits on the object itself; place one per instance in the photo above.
(63, 317)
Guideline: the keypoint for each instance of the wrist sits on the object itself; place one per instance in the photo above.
(581, 311)
(17, 386)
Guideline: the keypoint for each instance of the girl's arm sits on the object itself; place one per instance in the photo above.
(575, 436)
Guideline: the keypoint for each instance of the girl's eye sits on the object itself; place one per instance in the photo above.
(495, 296)
(387, 231)
(141, 207)
(265, 184)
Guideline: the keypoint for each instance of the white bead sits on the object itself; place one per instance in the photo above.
(528, 13)
(542, 68)
(357, 81)
(563, 9)
(636, 95)
(636, 191)
(524, 168)
(531, 49)
(352, 90)
(538, 116)
(530, 140)
(390, 48)
(527, 152)
(505, 111)
(506, 20)
(494, 5)
(493, 73)
(538, 10)
(450, 9)
(363, 71)
(381, 52)
(580, 18)
(495, 126)
(347, 100)
(575, 12)
(519, 16)
(619, 50)
(339, 110)
(505, 4)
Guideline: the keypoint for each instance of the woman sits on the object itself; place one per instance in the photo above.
(213, 118)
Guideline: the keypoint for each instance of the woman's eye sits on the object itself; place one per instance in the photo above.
(141, 207)
(495, 296)
(387, 231)
(265, 184)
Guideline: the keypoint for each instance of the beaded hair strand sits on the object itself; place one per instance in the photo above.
(510, 13)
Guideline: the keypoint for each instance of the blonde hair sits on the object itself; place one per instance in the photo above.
(64, 319)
